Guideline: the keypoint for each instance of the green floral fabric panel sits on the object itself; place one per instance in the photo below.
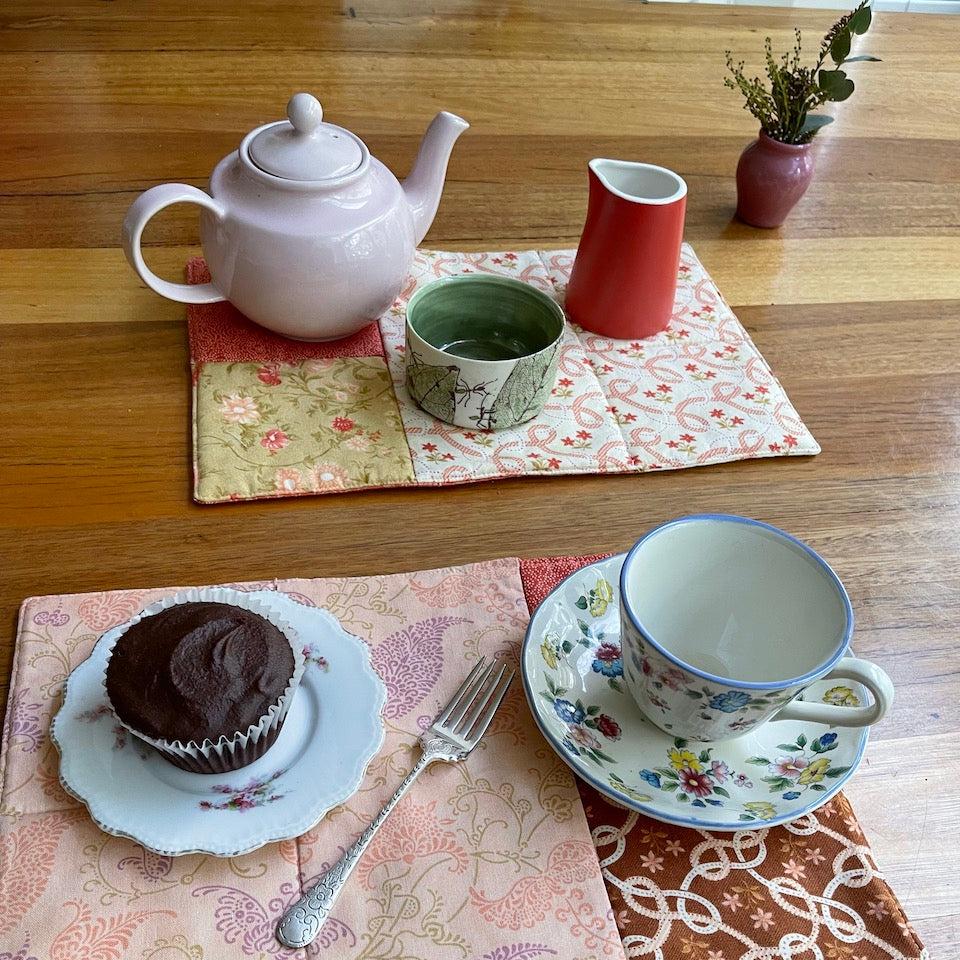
(276, 429)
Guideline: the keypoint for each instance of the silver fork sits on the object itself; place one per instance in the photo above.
(452, 736)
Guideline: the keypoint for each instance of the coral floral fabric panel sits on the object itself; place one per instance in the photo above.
(487, 860)
(698, 393)
(806, 889)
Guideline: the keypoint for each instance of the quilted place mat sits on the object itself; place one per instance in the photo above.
(805, 889)
(488, 860)
(274, 417)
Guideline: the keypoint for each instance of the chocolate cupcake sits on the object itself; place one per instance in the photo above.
(206, 677)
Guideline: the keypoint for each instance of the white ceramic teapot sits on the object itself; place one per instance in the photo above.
(304, 232)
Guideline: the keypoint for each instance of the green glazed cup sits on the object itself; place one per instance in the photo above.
(482, 351)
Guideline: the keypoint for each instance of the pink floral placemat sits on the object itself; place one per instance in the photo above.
(274, 417)
(488, 859)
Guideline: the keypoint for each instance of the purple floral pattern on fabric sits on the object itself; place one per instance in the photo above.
(24, 725)
(520, 951)
(410, 663)
(51, 618)
(243, 920)
(22, 954)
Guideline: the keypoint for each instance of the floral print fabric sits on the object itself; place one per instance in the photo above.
(699, 393)
(487, 859)
(315, 426)
(490, 860)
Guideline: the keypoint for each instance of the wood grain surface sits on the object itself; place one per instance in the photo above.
(854, 302)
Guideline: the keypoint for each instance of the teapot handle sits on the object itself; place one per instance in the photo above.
(141, 210)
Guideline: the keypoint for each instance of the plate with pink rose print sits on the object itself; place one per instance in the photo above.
(331, 733)
(573, 676)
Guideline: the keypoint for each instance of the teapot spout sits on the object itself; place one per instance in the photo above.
(425, 183)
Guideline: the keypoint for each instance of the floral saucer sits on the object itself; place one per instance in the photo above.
(573, 676)
(333, 730)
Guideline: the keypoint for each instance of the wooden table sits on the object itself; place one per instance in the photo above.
(854, 302)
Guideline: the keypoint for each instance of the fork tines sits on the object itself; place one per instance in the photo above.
(470, 710)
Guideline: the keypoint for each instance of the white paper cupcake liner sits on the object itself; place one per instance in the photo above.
(227, 753)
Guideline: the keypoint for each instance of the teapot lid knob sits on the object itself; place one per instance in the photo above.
(304, 113)
(303, 147)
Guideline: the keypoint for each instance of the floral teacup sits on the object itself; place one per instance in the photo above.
(725, 621)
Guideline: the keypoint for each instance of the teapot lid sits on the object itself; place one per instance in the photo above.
(303, 147)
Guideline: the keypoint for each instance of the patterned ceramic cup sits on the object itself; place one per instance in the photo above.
(725, 621)
(482, 351)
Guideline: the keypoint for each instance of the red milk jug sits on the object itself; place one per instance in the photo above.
(625, 275)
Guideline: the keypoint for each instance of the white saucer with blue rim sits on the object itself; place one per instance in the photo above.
(332, 731)
(573, 676)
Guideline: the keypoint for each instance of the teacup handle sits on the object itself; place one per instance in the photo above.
(849, 668)
(141, 210)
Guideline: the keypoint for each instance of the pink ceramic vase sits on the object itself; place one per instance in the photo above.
(771, 178)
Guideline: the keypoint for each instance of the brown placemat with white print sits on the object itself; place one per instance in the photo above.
(274, 417)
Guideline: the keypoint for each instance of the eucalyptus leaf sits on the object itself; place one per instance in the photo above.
(836, 85)
(860, 21)
(840, 47)
(814, 122)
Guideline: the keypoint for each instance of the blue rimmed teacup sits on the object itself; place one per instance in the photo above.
(725, 621)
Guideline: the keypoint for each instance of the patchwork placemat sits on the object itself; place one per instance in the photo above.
(489, 860)
(275, 417)
(809, 888)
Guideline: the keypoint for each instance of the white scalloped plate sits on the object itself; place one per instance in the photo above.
(332, 732)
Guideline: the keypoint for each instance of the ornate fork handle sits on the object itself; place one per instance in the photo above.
(302, 921)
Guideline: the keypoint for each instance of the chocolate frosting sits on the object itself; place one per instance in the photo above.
(198, 671)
